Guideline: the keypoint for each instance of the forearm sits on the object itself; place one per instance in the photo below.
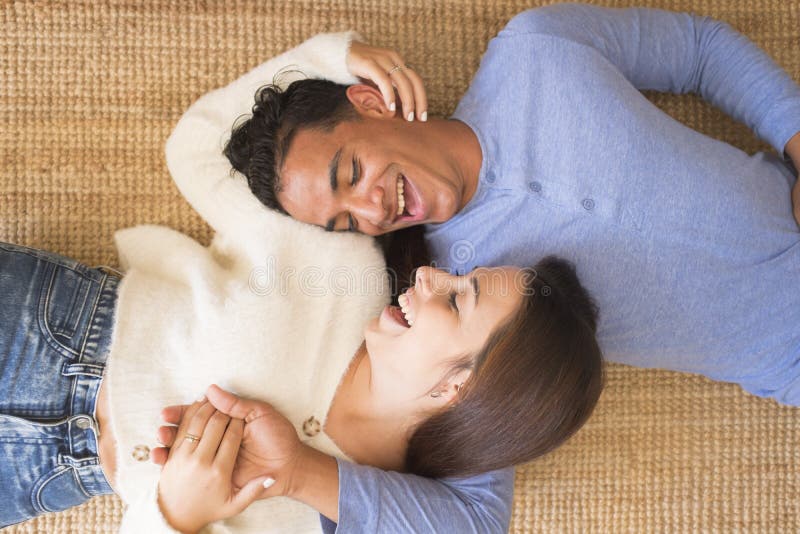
(315, 482)
(792, 150)
(367, 499)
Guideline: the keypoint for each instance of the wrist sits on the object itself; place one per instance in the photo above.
(302, 469)
(174, 522)
(792, 150)
(314, 481)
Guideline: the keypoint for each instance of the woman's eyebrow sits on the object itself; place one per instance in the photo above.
(476, 288)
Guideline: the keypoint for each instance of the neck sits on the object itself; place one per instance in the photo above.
(359, 398)
(461, 142)
(367, 427)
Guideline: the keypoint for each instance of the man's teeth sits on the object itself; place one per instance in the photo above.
(406, 309)
(401, 201)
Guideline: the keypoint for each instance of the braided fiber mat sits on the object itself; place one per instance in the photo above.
(89, 91)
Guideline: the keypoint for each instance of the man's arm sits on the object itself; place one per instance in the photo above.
(680, 53)
(372, 500)
(359, 498)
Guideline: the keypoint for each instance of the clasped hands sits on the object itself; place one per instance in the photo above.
(218, 458)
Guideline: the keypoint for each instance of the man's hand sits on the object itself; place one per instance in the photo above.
(270, 446)
(793, 151)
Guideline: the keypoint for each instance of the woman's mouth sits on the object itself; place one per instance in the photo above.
(397, 316)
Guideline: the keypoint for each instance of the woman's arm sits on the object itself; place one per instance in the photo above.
(194, 150)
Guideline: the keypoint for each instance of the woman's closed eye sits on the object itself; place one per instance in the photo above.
(453, 304)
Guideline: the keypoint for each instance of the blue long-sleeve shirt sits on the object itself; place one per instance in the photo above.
(687, 243)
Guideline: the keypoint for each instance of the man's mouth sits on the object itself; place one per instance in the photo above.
(409, 206)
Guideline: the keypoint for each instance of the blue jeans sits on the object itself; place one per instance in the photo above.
(56, 321)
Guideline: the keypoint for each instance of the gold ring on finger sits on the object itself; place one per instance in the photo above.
(395, 69)
(192, 438)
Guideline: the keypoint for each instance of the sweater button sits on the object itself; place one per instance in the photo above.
(141, 453)
(490, 177)
(311, 427)
(588, 204)
(536, 187)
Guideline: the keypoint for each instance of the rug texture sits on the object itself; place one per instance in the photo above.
(90, 90)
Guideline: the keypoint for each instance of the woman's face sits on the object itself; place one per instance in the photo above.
(444, 318)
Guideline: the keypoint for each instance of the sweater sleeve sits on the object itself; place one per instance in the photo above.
(144, 515)
(194, 150)
(681, 53)
(372, 500)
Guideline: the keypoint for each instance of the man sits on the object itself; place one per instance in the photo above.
(689, 245)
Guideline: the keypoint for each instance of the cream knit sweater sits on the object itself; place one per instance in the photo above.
(273, 309)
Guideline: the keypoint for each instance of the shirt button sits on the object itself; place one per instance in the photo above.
(311, 427)
(83, 423)
(536, 187)
(490, 177)
(588, 204)
(141, 453)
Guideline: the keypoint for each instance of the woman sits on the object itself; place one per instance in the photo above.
(455, 358)
(88, 360)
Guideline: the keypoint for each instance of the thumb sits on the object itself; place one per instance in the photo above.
(236, 407)
(251, 491)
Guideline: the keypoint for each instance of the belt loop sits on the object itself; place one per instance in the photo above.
(83, 369)
(110, 271)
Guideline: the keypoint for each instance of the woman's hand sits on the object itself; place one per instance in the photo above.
(380, 66)
(270, 448)
(196, 486)
(793, 151)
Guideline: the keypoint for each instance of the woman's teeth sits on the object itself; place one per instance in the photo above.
(401, 201)
(405, 308)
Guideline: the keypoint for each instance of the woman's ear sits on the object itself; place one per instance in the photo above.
(450, 387)
(368, 101)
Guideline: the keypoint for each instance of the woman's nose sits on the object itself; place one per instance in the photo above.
(431, 280)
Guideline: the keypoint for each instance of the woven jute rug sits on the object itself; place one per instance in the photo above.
(89, 91)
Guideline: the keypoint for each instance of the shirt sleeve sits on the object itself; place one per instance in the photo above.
(194, 149)
(372, 500)
(681, 53)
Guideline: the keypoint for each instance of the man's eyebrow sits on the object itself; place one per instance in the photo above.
(333, 170)
(476, 288)
(333, 174)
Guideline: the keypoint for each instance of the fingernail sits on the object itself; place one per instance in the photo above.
(268, 483)
(411, 116)
(392, 106)
(424, 116)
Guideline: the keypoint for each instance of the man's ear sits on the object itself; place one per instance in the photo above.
(368, 101)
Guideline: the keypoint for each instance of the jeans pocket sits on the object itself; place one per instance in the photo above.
(66, 299)
(58, 490)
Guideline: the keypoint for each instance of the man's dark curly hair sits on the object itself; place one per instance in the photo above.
(258, 145)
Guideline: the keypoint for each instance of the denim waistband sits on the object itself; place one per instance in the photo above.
(88, 371)
(88, 368)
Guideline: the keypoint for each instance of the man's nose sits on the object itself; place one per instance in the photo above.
(368, 205)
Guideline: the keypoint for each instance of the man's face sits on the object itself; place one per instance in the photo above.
(373, 175)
